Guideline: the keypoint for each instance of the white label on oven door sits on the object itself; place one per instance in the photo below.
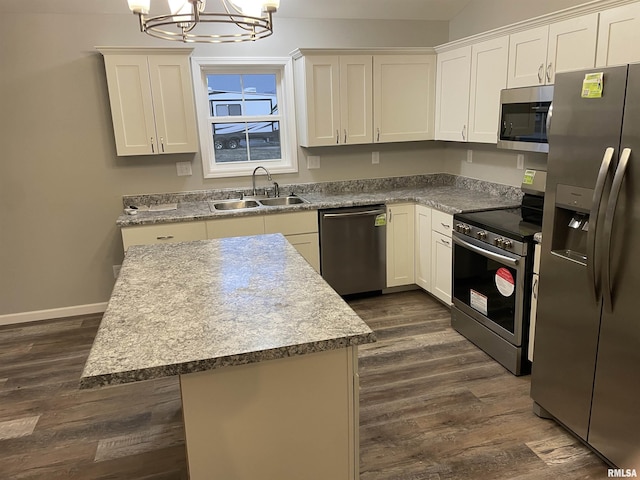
(478, 302)
(504, 282)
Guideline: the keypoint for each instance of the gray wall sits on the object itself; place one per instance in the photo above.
(60, 181)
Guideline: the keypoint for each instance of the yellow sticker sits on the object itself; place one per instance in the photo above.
(529, 176)
(381, 220)
(592, 85)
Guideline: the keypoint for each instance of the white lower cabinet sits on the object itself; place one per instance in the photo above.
(534, 301)
(400, 244)
(441, 266)
(163, 233)
(423, 247)
(235, 227)
(299, 228)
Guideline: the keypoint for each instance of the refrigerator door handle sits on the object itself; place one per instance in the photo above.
(592, 234)
(616, 186)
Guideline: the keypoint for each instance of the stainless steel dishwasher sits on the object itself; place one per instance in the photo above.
(353, 248)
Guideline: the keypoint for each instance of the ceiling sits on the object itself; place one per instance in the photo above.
(352, 9)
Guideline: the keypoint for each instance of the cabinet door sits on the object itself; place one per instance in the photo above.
(441, 266)
(528, 57)
(235, 227)
(423, 247)
(307, 244)
(572, 45)
(533, 314)
(322, 96)
(356, 100)
(400, 245)
(452, 94)
(164, 233)
(619, 36)
(403, 97)
(173, 105)
(131, 104)
(489, 61)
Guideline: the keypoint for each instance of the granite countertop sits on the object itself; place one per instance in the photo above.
(188, 307)
(446, 193)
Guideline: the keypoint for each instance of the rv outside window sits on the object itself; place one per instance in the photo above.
(245, 115)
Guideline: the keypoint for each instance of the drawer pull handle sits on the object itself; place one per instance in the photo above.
(164, 237)
(445, 242)
(445, 225)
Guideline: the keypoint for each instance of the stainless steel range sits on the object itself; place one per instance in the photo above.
(492, 274)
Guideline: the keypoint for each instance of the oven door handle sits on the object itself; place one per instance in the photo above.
(512, 262)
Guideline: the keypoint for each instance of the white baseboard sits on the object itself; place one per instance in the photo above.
(14, 318)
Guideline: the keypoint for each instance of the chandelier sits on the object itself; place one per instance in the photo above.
(237, 20)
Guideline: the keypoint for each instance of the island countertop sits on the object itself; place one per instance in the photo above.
(187, 307)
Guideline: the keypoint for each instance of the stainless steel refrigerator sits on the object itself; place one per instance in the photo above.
(586, 362)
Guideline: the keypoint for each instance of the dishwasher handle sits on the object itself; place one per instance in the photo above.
(353, 214)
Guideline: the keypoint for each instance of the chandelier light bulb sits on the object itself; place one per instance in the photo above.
(139, 6)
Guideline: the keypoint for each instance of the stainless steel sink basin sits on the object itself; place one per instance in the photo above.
(236, 204)
(276, 201)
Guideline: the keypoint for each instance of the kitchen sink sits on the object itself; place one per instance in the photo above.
(236, 204)
(276, 201)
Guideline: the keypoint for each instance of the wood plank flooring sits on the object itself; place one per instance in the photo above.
(433, 406)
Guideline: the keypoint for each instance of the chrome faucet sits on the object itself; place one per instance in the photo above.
(253, 181)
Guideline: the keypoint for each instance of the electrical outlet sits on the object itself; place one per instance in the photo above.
(375, 158)
(520, 161)
(469, 156)
(313, 161)
(184, 169)
(116, 270)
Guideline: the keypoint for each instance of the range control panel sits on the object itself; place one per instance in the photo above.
(486, 236)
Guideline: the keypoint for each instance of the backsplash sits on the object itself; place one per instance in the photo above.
(346, 186)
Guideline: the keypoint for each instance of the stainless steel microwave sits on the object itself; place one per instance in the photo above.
(525, 114)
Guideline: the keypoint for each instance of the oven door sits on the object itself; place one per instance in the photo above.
(489, 286)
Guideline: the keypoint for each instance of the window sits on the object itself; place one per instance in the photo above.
(245, 115)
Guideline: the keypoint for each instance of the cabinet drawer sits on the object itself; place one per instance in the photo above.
(235, 227)
(291, 223)
(442, 222)
(165, 233)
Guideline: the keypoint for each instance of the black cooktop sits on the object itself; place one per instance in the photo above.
(508, 223)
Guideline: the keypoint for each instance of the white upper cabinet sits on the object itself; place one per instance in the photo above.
(452, 94)
(334, 103)
(619, 36)
(489, 61)
(403, 97)
(469, 80)
(537, 54)
(151, 97)
(356, 102)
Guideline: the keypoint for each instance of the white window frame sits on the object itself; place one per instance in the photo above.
(206, 65)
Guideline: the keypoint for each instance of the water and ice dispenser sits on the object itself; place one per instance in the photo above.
(571, 223)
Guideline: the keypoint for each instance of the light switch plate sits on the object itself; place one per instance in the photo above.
(469, 156)
(520, 161)
(375, 158)
(313, 161)
(184, 169)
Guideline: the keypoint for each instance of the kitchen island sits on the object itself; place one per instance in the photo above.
(266, 352)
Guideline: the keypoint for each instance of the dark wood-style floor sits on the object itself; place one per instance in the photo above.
(433, 406)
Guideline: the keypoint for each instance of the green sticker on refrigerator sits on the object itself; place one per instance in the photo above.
(592, 85)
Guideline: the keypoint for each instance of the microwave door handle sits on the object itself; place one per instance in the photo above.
(510, 128)
(609, 217)
(594, 223)
(512, 262)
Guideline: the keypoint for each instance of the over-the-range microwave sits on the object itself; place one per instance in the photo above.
(525, 114)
